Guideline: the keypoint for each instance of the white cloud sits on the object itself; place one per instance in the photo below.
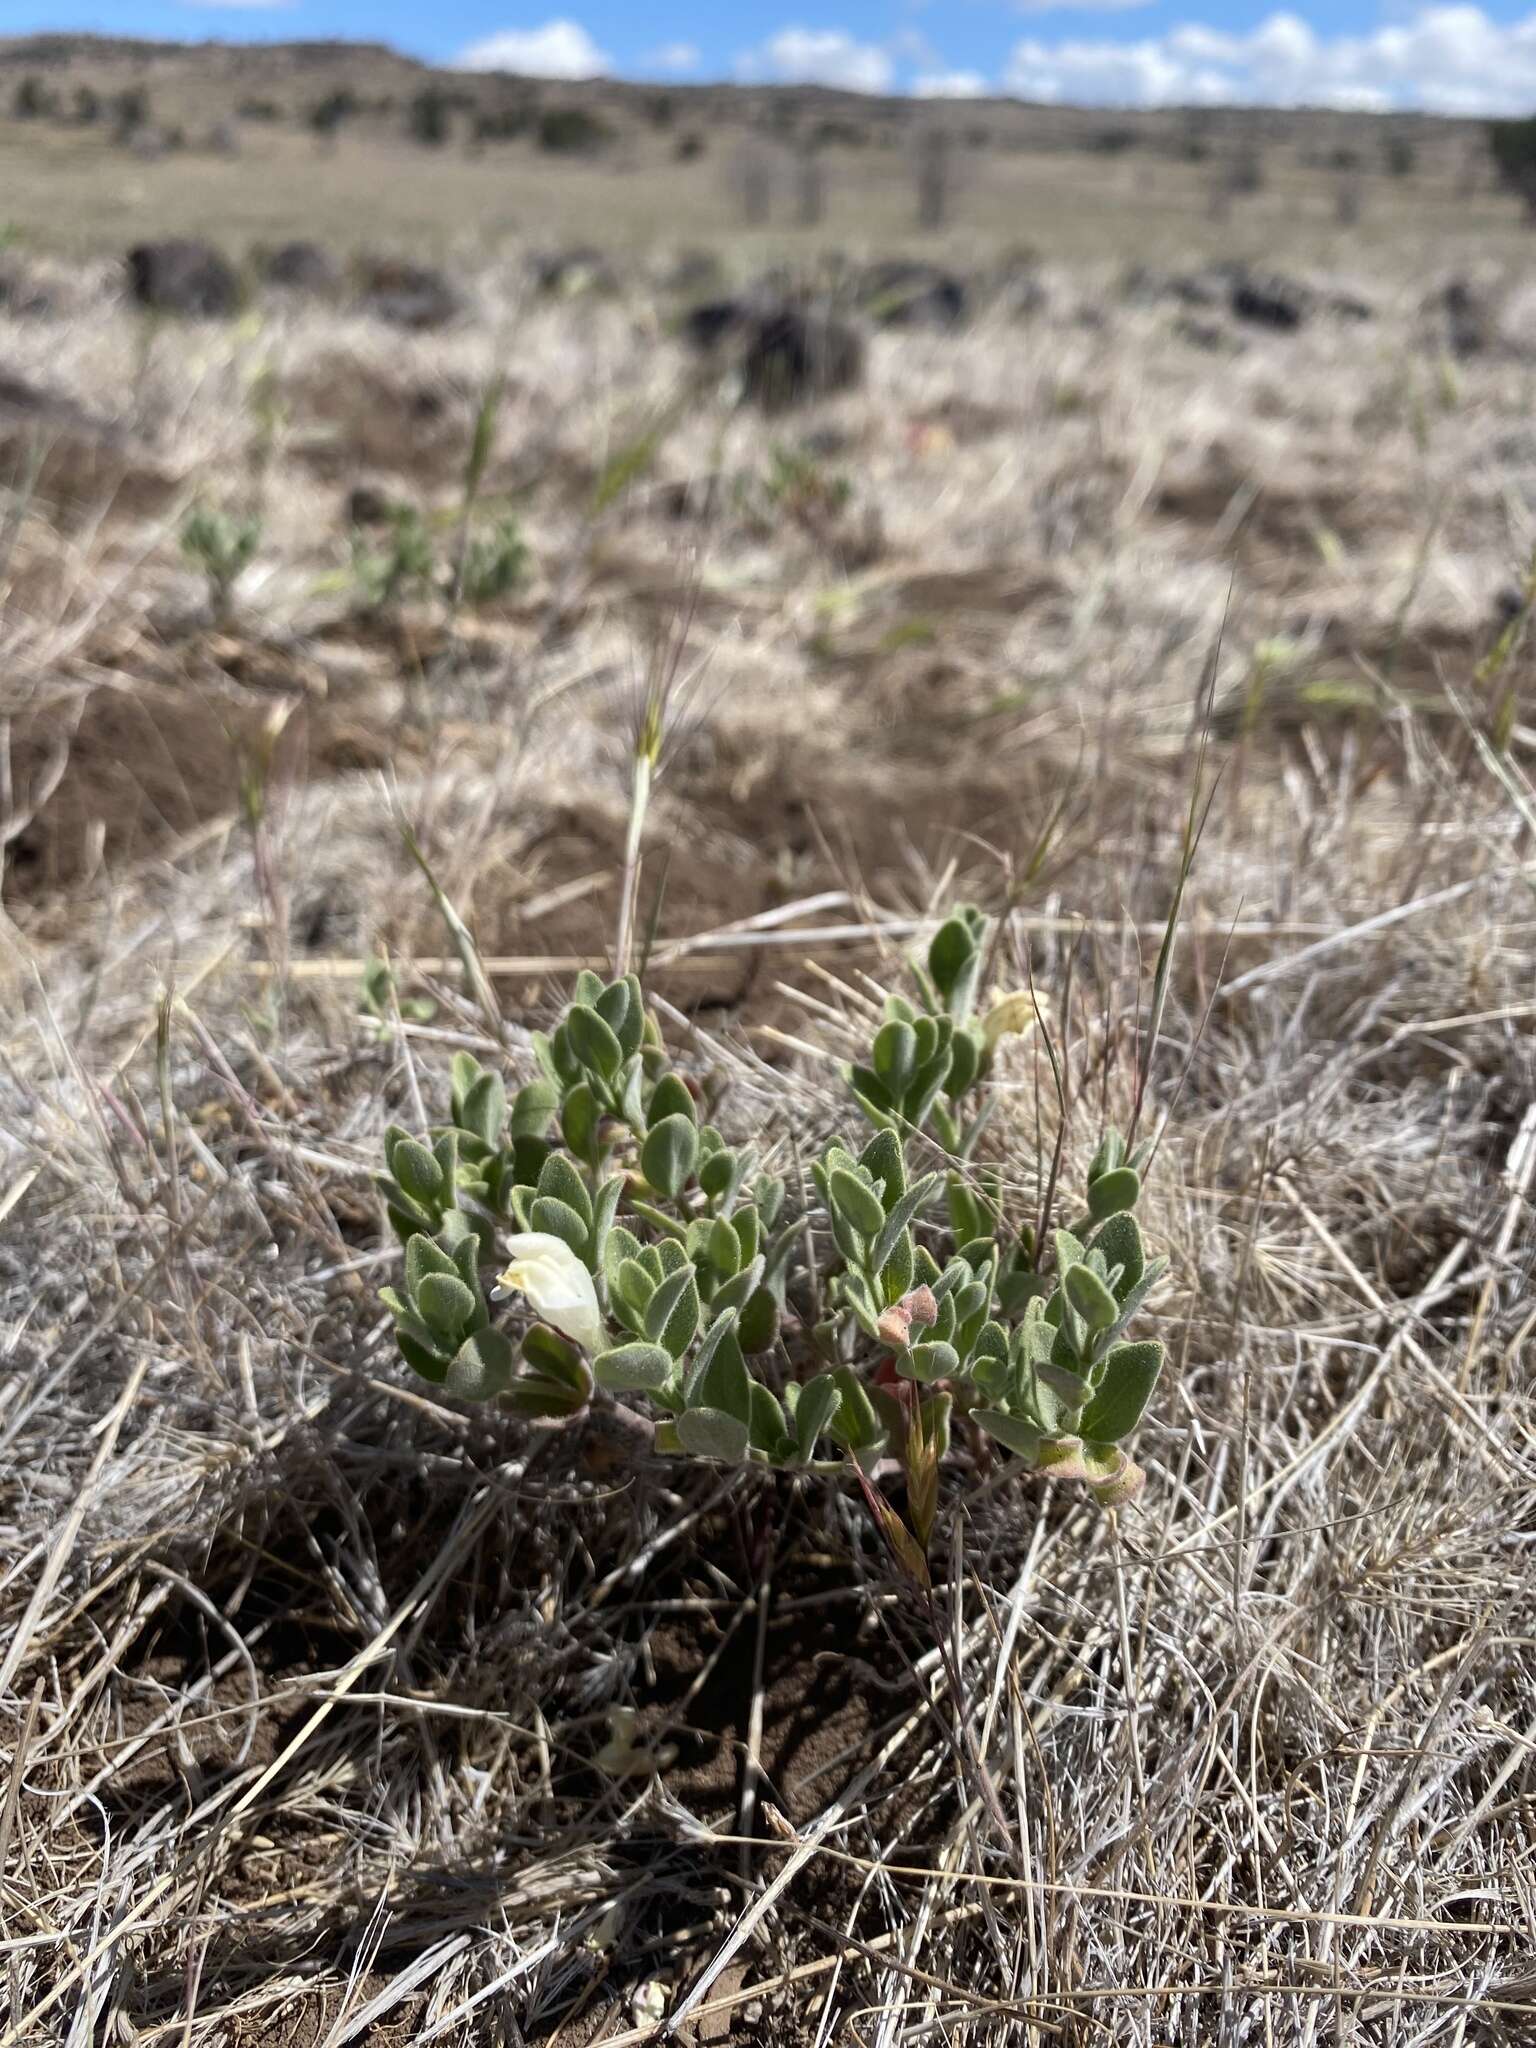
(560, 49)
(675, 58)
(810, 56)
(949, 85)
(1449, 59)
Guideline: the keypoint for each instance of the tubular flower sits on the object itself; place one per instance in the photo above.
(557, 1286)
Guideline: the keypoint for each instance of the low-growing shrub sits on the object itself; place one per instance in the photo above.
(849, 1316)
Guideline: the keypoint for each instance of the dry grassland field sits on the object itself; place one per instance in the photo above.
(382, 648)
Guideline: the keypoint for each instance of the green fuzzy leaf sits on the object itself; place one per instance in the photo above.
(758, 1325)
(482, 1367)
(895, 1273)
(672, 1313)
(894, 1057)
(464, 1070)
(928, 1362)
(632, 1284)
(446, 1304)
(613, 1005)
(1120, 1242)
(1091, 1297)
(720, 1175)
(1110, 1155)
(670, 1154)
(553, 1357)
(766, 1426)
(422, 1257)
(1113, 1192)
(633, 1368)
(671, 1097)
(532, 1107)
(1129, 1375)
(593, 1042)
(429, 1364)
(711, 1433)
(541, 1400)
(815, 1405)
(902, 1215)
(856, 1202)
(1056, 1398)
(768, 1197)
(964, 1063)
(722, 1247)
(748, 1228)
(417, 1171)
(885, 1163)
(484, 1109)
(856, 1425)
(1069, 1251)
(720, 1378)
(559, 1219)
(562, 1183)
(949, 954)
(580, 1121)
(604, 1209)
(1012, 1431)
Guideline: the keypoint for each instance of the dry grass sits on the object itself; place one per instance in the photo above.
(304, 1674)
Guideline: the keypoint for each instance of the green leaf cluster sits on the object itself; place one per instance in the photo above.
(920, 1311)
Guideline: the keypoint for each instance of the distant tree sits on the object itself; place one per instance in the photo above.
(1512, 145)
(429, 117)
(572, 131)
(87, 106)
(810, 187)
(130, 113)
(661, 109)
(259, 110)
(328, 116)
(753, 179)
(1401, 155)
(31, 101)
(690, 147)
(935, 178)
(1245, 170)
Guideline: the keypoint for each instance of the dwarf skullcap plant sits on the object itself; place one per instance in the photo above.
(655, 1259)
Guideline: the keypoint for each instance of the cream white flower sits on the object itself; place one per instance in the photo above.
(557, 1285)
(1008, 1016)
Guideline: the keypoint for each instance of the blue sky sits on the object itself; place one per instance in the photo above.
(1368, 53)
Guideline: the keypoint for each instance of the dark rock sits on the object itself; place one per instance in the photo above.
(910, 294)
(367, 505)
(705, 327)
(184, 277)
(1273, 302)
(795, 354)
(1467, 316)
(409, 295)
(303, 267)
